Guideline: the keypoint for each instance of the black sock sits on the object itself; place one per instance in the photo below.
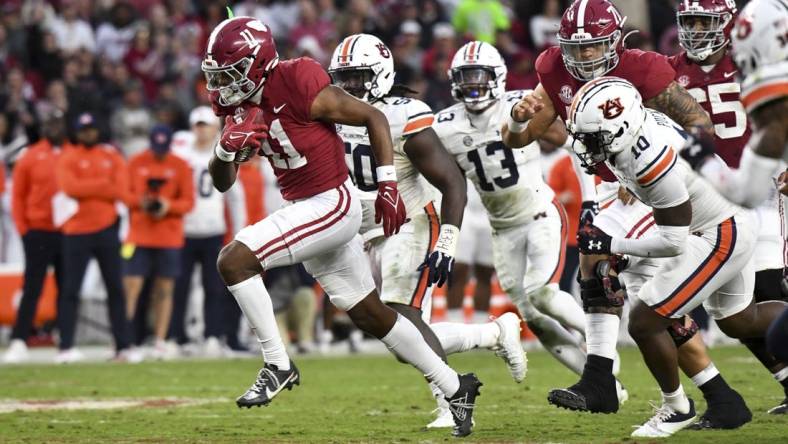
(715, 386)
(600, 363)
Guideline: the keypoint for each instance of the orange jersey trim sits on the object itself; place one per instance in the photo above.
(424, 279)
(657, 169)
(764, 93)
(418, 124)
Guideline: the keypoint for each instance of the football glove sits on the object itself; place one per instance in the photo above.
(440, 261)
(389, 207)
(588, 210)
(247, 132)
(592, 240)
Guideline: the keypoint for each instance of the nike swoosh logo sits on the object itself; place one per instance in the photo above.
(728, 75)
(279, 108)
(236, 136)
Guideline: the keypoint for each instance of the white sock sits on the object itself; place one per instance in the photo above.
(480, 317)
(405, 341)
(256, 304)
(677, 400)
(602, 334)
(781, 375)
(455, 315)
(560, 306)
(458, 338)
(705, 375)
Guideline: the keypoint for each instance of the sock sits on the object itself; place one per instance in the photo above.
(602, 334)
(405, 341)
(439, 397)
(455, 315)
(782, 377)
(601, 363)
(705, 375)
(457, 338)
(256, 305)
(677, 400)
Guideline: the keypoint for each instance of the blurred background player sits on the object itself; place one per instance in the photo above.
(474, 259)
(319, 223)
(160, 193)
(403, 264)
(204, 227)
(706, 69)
(529, 227)
(34, 187)
(94, 175)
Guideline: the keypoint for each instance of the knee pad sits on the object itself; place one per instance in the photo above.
(681, 333)
(601, 292)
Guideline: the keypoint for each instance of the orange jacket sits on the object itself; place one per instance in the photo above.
(145, 230)
(252, 181)
(563, 180)
(96, 178)
(35, 184)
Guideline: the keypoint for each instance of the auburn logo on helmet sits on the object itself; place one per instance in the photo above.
(384, 52)
(612, 108)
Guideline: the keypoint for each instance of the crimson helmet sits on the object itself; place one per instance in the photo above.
(705, 26)
(241, 53)
(587, 24)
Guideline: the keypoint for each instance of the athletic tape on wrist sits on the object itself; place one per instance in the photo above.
(221, 154)
(447, 240)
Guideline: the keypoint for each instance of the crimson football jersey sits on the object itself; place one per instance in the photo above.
(649, 72)
(717, 91)
(307, 156)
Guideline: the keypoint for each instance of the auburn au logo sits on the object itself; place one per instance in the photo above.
(384, 52)
(612, 108)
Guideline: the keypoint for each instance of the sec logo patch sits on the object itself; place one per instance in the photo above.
(683, 80)
(566, 94)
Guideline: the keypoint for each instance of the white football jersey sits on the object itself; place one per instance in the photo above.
(509, 181)
(655, 174)
(207, 217)
(406, 116)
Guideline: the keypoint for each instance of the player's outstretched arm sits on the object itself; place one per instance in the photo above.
(529, 119)
(223, 173)
(334, 105)
(429, 156)
(680, 106)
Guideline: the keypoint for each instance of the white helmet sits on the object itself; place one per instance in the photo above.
(478, 75)
(363, 66)
(605, 118)
(758, 38)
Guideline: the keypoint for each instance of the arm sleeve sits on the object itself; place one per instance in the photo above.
(185, 200)
(750, 184)
(236, 203)
(668, 242)
(21, 187)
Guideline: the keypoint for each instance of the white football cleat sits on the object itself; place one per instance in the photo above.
(665, 422)
(131, 355)
(69, 356)
(16, 353)
(622, 393)
(509, 347)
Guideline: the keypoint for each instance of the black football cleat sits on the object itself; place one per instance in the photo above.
(780, 409)
(462, 403)
(270, 381)
(595, 392)
(724, 412)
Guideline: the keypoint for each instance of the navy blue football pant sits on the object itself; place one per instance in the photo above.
(103, 245)
(42, 249)
(203, 251)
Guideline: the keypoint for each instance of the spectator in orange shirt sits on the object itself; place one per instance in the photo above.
(94, 175)
(31, 208)
(160, 193)
(563, 180)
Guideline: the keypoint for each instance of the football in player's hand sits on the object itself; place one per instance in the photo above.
(245, 132)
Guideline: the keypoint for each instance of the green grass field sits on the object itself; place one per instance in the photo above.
(351, 399)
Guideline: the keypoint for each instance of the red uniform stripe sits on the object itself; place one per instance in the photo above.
(638, 224)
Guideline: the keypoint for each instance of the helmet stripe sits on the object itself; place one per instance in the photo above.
(343, 57)
(581, 15)
(214, 33)
(470, 52)
(582, 94)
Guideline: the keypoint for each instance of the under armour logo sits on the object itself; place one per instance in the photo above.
(612, 108)
(595, 245)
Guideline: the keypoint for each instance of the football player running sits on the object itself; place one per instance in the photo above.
(363, 66)
(706, 69)
(697, 230)
(592, 45)
(287, 111)
(529, 225)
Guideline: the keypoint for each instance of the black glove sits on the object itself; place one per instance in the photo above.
(588, 210)
(592, 240)
(440, 266)
(698, 148)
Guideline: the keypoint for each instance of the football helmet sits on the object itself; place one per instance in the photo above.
(363, 66)
(758, 38)
(241, 53)
(705, 26)
(605, 118)
(478, 75)
(591, 38)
